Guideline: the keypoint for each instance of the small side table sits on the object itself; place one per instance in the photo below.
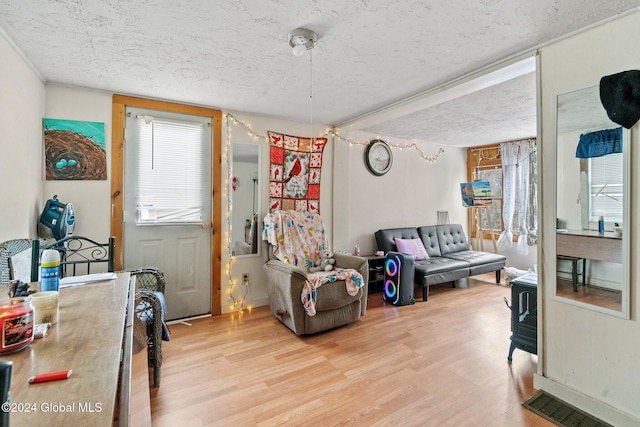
(376, 273)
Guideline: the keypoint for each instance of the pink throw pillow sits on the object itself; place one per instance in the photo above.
(412, 247)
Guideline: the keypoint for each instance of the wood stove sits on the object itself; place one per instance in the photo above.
(524, 314)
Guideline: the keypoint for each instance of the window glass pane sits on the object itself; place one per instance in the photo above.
(169, 175)
(606, 187)
(494, 176)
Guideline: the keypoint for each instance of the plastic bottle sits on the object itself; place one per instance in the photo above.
(601, 225)
(50, 270)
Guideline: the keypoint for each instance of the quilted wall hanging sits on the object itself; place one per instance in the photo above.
(294, 173)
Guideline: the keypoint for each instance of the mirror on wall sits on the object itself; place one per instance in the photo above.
(592, 205)
(245, 198)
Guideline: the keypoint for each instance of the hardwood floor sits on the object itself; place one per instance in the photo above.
(436, 363)
(606, 298)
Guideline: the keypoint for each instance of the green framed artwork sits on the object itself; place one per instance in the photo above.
(74, 150)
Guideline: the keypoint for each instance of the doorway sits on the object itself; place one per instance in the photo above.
(167, 204)
(165, 241)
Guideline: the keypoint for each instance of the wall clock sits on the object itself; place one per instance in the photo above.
(378, 157)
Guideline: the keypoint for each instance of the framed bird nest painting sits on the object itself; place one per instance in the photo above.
(74, 150)
(294, 173)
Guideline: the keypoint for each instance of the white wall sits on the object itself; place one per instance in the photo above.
(232, 273)
(22, 97)
(588, 358)
(91, 199)
(410, 194)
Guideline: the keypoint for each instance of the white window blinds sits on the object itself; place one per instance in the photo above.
(169, 175)
(606, 187)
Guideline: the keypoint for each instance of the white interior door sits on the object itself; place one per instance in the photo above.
(167, 211)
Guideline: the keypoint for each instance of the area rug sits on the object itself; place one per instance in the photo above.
(294, 173)
(561, 413)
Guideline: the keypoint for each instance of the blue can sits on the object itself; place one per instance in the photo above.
(601, 226)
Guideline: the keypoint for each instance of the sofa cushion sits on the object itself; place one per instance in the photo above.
(413, 247)
(429, 239)
(479, 262)
(440, 270)
(385, 239)
(451, 238)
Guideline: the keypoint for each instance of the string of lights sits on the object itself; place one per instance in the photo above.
(410, 146)
(250, 131)
(239, 303)
(329, 133)
(482, 156)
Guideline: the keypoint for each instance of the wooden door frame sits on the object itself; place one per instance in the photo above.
(119, 104)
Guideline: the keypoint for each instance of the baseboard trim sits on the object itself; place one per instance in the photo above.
(186, 320)
(253, 303)
(581, 401)
(260, 302)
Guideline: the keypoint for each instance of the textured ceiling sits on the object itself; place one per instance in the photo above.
(233, 55)
(507, 111)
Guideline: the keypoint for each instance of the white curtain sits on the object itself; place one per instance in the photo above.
(515, 188)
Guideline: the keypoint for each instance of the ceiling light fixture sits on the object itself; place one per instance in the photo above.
(302, 40)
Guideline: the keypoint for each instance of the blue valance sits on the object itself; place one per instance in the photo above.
(600, 143)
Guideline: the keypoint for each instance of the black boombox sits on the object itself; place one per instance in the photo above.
(399, 271)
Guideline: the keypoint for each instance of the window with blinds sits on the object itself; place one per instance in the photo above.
(169, 174)
(606, 188)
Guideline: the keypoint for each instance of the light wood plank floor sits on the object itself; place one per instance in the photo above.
(606, 298)
(436, 363)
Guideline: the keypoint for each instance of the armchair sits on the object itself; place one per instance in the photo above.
(295, 240)
(9, 250)
(150, 310)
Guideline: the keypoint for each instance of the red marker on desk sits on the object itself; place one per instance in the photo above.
(51, 376)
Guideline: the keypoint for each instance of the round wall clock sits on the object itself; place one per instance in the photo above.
(378, 157)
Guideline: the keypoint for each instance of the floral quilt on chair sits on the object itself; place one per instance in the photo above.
(297, 239)
(352, 280)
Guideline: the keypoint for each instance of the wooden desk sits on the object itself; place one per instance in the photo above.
(589, 244)
(88, 339)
